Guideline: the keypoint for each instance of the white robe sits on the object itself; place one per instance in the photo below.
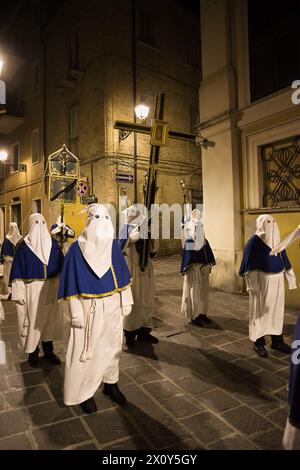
(7, 264)
(93, 351)
(40, 318)
(143, 291)
(291, 437)
(267, 302)
(195, 291)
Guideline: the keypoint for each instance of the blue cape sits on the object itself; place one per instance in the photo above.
(256, 258)
(203, 256)
(8, 248)
(294, 381)
(28, 267)
(79, 280)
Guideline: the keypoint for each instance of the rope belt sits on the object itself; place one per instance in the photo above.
(87, 353)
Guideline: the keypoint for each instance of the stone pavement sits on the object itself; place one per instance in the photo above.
(199, 388)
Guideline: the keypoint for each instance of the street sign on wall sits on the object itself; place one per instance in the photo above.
(83, 188)
(124, 178)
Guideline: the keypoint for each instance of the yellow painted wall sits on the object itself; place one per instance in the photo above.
(287, 222)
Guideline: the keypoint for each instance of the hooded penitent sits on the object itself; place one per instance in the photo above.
(13, 234)
(291, 438)
(10, 241)
(34, 277)
(38, 256)
(96, 282)
(196, 248)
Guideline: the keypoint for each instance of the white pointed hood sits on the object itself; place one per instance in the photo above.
(267, 229)
(13, 234)
(38, 238)
(96, 241)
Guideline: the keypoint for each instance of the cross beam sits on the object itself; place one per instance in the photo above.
(141, 129)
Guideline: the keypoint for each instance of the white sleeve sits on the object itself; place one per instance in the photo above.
(291, 279)
(55, 230)
(135, 235)
(75, 307)
(126, 297)
(252, 282)
(290, 238)
(18, 290)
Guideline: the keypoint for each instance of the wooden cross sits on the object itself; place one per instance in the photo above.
(159, 133)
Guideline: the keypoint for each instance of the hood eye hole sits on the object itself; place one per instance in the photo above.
(36, 221)
(107, 217)
(97, 216)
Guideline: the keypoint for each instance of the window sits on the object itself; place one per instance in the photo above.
(74, 129)
(146, 27)
(281, 173)
(16, 214)
(35, 146)
(15, 157)
(193, 53)
(274, 45)
(36, 77)
(36, 206)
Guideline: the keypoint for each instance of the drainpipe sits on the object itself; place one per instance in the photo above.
(135, 162)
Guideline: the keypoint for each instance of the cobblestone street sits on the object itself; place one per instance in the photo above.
(199, 388)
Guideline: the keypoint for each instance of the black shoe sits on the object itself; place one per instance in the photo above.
(260, 350)
(130, 338)
(147, 337)
(204, 318)
(53, 358)
(144, 334)
(89, 406)
(283, 347)
(49, 354)
(197, 321)
(113, 392)
(130, 342)
(33, 358)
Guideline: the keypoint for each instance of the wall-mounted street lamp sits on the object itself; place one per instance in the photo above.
(1, 66)
(3, 156)
(141, 112)
(3, 159)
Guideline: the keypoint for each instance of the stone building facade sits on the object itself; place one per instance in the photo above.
(87, 55)
(247, 110)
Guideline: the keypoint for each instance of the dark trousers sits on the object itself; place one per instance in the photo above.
(47, 348)
(140, 332)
